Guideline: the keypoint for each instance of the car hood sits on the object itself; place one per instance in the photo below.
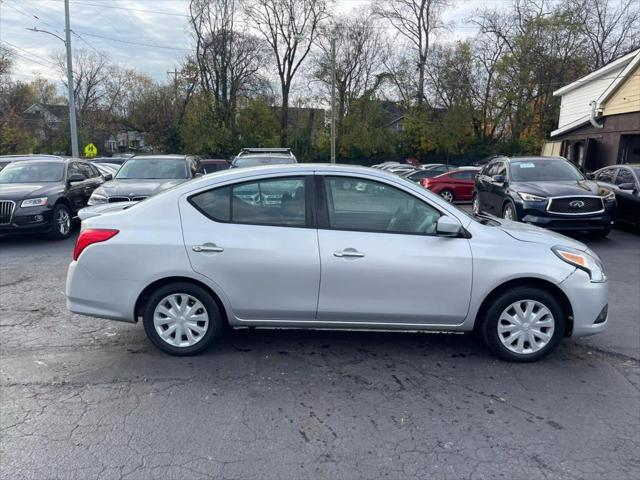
(131, 188)
(558, 189)
(525, 232)
(18, 191)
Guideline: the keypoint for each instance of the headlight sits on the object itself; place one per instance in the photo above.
(35, 202)
(608, 195)
(587, 261)
(96, 199)
(527, 197)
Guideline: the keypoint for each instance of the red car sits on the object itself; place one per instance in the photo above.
(454, 186)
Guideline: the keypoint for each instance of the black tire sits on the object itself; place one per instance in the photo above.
(600, 233)
(56, 233)
(213, 332)
(448, 195)
(489, 325)
(510, 206)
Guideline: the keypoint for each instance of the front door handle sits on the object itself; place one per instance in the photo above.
(348, 252)
(207, 248)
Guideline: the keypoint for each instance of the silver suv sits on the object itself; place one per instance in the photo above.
(253, 157)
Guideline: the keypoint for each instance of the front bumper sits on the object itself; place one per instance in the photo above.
(589, 303)
(536, 214)
(26, 220)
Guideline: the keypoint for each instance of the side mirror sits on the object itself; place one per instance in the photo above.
(448, 227)
(198, 174)
(107, 177)
(627, 186)
(590, 175)
(75, 178)
(498, 178)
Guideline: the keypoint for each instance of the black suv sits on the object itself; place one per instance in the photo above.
(252, 157)
(44, 194)
(545, 191)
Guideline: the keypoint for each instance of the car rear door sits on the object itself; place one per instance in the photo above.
(382, 264)
(257, 242)
(627, 200)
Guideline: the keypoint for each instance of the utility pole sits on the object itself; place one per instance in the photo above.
(333, 99)
(175, 81)
(72, 100)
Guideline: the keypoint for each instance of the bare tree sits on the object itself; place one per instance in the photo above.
(90, 75)
(417, 21)
(611, 28)
(6, 60)
(228, 61)
(360, 52)
(290, 27)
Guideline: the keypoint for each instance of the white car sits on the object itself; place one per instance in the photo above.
(290, 246)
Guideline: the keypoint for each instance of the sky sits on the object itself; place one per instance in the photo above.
(151, 36)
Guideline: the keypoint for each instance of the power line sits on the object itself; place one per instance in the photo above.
(163, 47)
(142, 10)
(30, 53)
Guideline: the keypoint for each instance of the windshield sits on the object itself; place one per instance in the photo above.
(253, 161)
(544, 171)
(153, 168)
(22, 172)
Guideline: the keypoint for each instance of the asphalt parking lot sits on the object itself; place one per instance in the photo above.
(87, 398)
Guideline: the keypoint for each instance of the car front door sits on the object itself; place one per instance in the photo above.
(256, 241)
(483, 186)
(627, 199)
(383, 264)
(77, 190)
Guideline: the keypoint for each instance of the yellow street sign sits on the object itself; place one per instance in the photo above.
(90, 150)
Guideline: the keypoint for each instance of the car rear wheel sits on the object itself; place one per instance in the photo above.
(182, 319)
(60, 222)
(524, 324)
(447, 195)
(509, 212)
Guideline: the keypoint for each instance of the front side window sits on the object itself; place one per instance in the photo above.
(279, 202)
(624, 176)
(377, 207)
(74, 169)
(466, 175)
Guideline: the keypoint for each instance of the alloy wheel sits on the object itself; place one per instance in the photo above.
(63, 221)
(509, 214)
(525, 326)
(181, 320)
(447, 195)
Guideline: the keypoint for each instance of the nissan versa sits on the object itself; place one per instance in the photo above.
(290, 246)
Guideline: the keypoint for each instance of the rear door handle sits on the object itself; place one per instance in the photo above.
(207, 248)
(348, 252)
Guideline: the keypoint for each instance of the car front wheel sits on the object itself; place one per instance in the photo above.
(447, 195)
(182, 319)
(509, 212)
(524, 324)
(61, 222)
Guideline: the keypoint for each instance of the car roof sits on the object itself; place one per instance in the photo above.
(160, 157)
(530, 158)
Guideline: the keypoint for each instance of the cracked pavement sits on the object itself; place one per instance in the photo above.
(84, 398)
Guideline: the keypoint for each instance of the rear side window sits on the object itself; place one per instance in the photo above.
(470, 175)
(606, 175)
(278, 202)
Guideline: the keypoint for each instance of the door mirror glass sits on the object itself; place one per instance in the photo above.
(591, 176)
(108, 176)
(448, 227)
(498, 178)
(75, 178)
(626, 186)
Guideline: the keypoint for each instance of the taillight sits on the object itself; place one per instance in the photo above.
(425, 182)
(90, 236)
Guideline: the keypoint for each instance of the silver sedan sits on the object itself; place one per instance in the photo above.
(298, 246)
